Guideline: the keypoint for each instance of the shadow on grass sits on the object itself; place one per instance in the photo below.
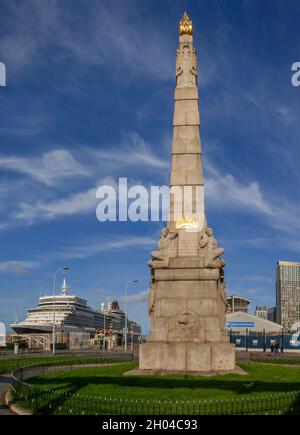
(48, 403)
(240, 386)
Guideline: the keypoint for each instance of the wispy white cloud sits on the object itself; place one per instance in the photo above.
(227, 192)
(112, 37)
(281, 241)
(25, 124)
(17, 267)
(54, 167)
(113, 34)
(84, 248)
(93, 247)
(77, 204)
(138, 297)
(133, 152)
(253, 291)
(50, 168)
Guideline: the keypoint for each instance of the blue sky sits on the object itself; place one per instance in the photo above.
(89, 99)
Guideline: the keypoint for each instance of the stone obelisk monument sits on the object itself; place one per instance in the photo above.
(187, 302)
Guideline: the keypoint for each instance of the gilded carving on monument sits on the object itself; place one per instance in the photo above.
(185, 25)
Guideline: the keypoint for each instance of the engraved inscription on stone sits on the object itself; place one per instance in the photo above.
(188, 244)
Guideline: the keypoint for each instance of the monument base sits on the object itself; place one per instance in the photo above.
(137, 372)
(187, 357)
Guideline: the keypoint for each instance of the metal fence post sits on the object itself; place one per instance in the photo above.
(264, 341)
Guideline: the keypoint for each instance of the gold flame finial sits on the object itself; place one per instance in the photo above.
(186, 25)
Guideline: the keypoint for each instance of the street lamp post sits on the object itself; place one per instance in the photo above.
(126, 313)
(54, 289)
(131, 338)
(104, 332)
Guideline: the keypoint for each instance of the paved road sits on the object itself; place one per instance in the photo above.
(4, 384)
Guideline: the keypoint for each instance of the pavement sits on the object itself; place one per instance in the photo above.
(5, 380)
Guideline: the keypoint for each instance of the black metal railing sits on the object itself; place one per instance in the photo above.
(47, 402)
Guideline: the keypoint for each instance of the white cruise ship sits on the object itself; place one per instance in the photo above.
(71, 314)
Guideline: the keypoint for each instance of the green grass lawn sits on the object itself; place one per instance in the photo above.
(109, 382)
(14, 363)
(105, 390)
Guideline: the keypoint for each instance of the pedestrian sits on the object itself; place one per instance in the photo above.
(272, 346)
(276, 348)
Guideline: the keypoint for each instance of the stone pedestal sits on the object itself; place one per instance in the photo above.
(187, 305)
(187, 357)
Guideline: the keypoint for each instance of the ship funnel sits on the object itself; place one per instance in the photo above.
(64, 288)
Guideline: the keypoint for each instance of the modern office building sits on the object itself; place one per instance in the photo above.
(288, 294)
(271, 315)
(238, 303)
(267, 313)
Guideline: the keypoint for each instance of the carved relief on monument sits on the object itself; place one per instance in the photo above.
(186, 66)
(152, 298)
(187, 320)
(160, 258)
(206, 246)
(210, 250)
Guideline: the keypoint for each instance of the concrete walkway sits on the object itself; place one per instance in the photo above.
(5, 381)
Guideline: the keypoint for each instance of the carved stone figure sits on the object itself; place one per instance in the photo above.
(213, 251)
(186, 66)
(203, 238)
(161, 257)
(210, 248)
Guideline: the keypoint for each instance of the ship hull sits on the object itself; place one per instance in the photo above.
(31, 329)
